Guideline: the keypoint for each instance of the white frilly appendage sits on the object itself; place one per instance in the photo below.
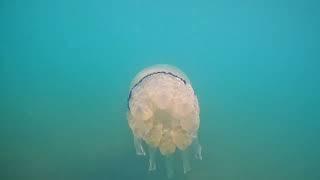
(138, 146)
(169, 160)
(152, 158)
(196, 148)
(194, 151)
(185, 161)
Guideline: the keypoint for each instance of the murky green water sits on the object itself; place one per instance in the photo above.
(66, 66)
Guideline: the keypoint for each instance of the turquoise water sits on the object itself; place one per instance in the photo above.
(66, 67)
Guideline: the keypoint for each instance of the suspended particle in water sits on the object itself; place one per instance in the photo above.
(163, 114)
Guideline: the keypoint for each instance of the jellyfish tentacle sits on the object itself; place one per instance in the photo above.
(197, 148)
(138, 146)
(169, 165)
(152, 158)
(185, 161)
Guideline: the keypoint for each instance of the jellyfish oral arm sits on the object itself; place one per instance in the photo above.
(138, 146)
(152, 158)
(197, 149)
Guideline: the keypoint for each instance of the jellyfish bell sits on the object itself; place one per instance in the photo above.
(163, 114)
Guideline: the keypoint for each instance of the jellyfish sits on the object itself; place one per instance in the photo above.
(163, 115)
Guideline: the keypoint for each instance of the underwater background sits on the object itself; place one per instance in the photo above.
(66, 67)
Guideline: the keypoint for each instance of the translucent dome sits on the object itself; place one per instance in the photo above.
(164, 114)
